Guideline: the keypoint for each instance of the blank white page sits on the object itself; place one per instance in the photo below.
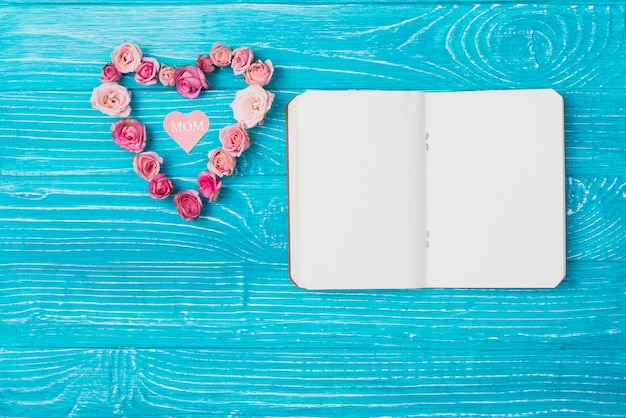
(495, 189)
(356, 189)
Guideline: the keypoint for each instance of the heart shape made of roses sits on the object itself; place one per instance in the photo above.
(186, 130)
(249, 106)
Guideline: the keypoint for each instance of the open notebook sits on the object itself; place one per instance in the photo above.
(406, 189)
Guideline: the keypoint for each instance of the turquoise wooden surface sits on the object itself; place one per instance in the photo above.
(110, 304)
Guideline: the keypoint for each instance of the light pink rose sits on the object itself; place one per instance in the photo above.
(221, 55)
(166, 76)
(251, 105)
(242, 58)
(234, 139)
(189, 81)
(111, 99)
(205, 63)
(221, 162)
(147, 72)
(129, 134)
(147, 164)
(189, 204)
(209, 185)
(259, 73)
(160, 187)
(126, 57)
(110, 73)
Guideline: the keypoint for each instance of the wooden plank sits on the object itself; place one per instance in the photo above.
(55, 218)
(264, 2)
(169, 301)
(356, 382)
(39, 125)
(397, 46)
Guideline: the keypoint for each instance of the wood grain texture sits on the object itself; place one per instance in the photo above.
(405, 46)
(355, 382)
(111, 305)
(219, 305)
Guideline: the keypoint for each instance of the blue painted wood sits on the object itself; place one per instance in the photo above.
(355, 382)
(112, 305)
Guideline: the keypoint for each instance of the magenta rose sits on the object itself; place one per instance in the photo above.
(242, 58)
(111, 99)
(166, 76)
(205, 63)
(189, 204)
(234, 139)
(160, 187)
(259, 73)
(189, 81)
(129, 134)
(209, 185)
(110, 73)
(147, 72)
(147, 164)
(221, 55)
(221, 162)
(251, 104)
(126, 57)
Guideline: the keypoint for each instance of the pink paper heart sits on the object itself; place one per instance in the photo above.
(186, 130)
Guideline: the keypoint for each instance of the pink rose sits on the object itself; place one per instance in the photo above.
(242, 58)
(111, 99)
(147, 164)
(129, 134)
(234, 139)
(221, 55)
(209, 185)
(251, 104)
(205, 63)
(110, 73)
(221, 162)
(126, 57)
(259, 73)
(189, 81)
(146, 73)
(189, 204)
(160, 187)
(166, 76)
